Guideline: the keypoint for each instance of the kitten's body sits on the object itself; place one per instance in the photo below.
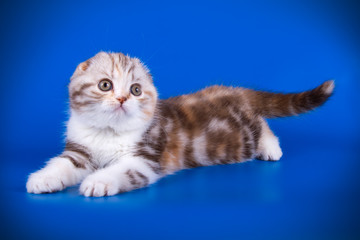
(114, 147)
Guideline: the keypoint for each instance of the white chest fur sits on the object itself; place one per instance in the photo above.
(105, 145)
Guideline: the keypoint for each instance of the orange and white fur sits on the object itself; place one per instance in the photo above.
(121, 137)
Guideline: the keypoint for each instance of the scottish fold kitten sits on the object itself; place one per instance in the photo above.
(120, 136)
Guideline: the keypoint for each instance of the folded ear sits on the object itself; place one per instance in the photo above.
(82, 67)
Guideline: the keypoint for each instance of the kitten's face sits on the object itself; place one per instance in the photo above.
(113, 90)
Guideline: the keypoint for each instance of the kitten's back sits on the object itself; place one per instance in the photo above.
(219, 124)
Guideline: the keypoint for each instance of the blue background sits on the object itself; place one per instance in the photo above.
(287, 46)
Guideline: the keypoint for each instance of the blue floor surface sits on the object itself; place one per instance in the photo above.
(309, 194)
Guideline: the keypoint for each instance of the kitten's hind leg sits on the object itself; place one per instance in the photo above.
(269, 147)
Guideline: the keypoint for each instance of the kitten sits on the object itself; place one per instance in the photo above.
(121, 137)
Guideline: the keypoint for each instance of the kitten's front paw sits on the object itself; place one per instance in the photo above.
(41, 182)
(99, 185)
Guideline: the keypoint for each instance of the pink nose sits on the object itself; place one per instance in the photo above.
(121, 99)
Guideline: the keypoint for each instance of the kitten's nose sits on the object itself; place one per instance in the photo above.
(122, 99)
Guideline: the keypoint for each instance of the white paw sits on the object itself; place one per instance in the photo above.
(99, 184)
(43, 182)
(269, 149)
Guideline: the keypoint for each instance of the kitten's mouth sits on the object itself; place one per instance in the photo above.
(120, 108)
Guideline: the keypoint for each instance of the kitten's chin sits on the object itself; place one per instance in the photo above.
(118, 125)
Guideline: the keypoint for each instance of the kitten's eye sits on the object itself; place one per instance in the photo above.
(135, 89)
(105, 85)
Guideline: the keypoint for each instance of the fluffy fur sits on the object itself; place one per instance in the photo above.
(118, 140)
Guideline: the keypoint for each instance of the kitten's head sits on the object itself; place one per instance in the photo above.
(112, 90)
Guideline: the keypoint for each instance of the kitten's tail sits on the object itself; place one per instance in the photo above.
(272, 105)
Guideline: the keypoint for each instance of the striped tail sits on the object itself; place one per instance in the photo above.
(271, 105)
